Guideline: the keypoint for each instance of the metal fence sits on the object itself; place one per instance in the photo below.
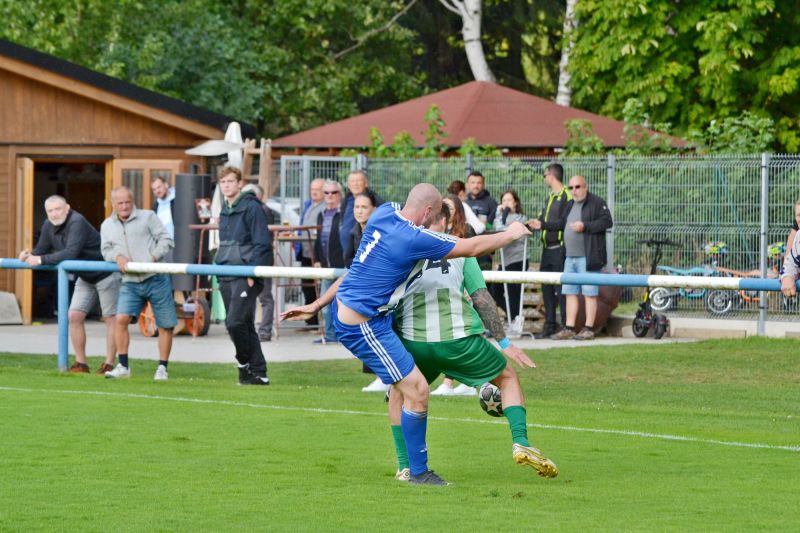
(692, 200)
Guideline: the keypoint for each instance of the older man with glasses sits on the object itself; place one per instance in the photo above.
(328, 249)
(586, 220)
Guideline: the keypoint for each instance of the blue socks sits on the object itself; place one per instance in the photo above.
(414, 426)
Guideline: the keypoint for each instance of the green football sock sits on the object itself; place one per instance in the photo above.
(400, 447)
(516, 416)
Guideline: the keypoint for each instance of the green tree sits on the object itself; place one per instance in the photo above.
(689, 63)
(581, 138)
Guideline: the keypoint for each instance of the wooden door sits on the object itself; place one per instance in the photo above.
(136, 175)
(23, 285)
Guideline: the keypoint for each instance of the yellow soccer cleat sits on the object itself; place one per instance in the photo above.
(528, 455)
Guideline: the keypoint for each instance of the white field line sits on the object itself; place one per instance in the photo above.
(626, 433)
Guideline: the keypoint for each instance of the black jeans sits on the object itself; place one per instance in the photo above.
(267, 309)
(553, 261)
(240, 304)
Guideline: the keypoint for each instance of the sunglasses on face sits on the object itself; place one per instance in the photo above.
(574, 187)
(330, 193)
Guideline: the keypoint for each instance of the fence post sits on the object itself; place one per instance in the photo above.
(361, 162)
(762, 295)
(470, 163)
(610, 200)
(63, 319)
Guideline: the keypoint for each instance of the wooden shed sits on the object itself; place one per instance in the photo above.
(68, 130)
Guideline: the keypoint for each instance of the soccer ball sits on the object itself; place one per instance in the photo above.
(489, 398)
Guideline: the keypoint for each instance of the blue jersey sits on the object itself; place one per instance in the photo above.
(391, 253)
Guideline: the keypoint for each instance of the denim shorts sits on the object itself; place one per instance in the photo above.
(577, 265)
(158, 291)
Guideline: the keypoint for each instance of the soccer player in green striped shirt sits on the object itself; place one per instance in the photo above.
(442, 329)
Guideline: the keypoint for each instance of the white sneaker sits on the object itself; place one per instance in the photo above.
(119, 372)
(403, 475)
(161, 373)
(464, 390)
(443, 390)
(376, 386)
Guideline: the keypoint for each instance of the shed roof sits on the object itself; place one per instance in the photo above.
(490, 113)
(127, 91)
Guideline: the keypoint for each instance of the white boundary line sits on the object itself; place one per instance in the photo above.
(626, 433)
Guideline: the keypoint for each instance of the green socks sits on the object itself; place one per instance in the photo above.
(400, 446)
(516, 416)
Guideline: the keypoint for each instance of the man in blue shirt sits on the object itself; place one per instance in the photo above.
(390, 257)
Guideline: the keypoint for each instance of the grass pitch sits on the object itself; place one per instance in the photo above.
(701, 436)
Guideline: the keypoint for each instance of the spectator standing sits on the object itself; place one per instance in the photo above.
(551, 222)
(311, 210)
(243, 240)
(457, 188)
(265, 298)
(587, 219)
(66, 234)
(484, 207)
(328, 249)
(164, 203)
(132, 234)
(356, 184)
(513, 259)
(791, 262)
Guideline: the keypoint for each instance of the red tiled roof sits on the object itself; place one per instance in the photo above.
(489, 112)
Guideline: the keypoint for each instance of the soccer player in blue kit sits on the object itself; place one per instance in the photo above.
(392, 253)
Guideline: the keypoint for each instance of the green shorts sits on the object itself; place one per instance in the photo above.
(472, 360)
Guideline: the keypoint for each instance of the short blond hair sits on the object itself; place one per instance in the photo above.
(227, 169)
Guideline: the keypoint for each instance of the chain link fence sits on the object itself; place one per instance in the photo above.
(709, 205)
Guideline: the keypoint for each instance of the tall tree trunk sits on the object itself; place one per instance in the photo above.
(470, 13)
(564, 94)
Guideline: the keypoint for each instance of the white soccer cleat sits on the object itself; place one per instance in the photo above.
(161, 373)
(119, 372)
(443, 390)
(464, 390)
(403, 475)
(376, 386)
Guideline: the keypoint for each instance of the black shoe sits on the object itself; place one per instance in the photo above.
(545, 333)
(244, 373)
(255, 380)
(265, 338)
(427, 478)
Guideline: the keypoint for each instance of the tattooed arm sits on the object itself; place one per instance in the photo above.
(487, 310)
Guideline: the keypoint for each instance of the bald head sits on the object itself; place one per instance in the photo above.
(422, 205)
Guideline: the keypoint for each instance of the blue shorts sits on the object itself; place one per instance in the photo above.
(577, 265)
(377, 345)
(158, 291)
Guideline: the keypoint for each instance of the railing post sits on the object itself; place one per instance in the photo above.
(63, 319)
(762, 295)
(611, 168)
(470, 163)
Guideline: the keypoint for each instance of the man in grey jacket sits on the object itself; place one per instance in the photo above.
(131, 234)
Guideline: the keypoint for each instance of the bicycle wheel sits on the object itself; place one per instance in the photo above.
(719, 302)
(661, 299)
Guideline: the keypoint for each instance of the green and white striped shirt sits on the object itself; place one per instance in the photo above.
(437, 307)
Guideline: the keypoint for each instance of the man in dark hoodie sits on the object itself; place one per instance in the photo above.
(484, 207)
(244, 240)
(66, 234)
